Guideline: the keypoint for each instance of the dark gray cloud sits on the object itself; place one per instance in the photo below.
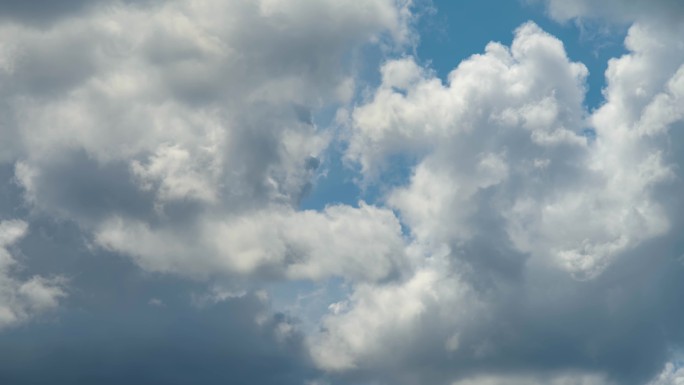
(622, 326)
(138, 343)
(84, 190)
(44, 12)
(120, 324)
(179, 120)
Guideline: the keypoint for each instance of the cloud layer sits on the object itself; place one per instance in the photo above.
(530, 240)
(165, 126)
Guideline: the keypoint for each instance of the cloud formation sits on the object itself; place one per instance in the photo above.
(213, 345)
(162, 128)
(535, 211)
(533, 241)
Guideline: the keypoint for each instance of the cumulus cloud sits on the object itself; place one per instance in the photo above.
(20, 299)
(532, 241)
(509, 124)
(545, 231)
(362, 243)
(188, 119)
(381, 323)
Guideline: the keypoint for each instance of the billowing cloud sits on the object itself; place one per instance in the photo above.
(509, 126)
(381, 324)
(362, 243)
(185, 120)
(533, 241)
(544, 220)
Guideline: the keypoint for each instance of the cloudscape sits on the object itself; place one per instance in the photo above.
(330, 192)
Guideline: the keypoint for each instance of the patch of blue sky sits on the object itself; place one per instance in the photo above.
(306, 300)
(459, 29)
(336, 183)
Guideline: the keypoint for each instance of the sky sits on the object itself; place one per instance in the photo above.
(325, 192)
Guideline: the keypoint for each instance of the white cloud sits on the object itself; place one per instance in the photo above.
(412, 111)
(510, 122)
(523, 210)
(180, 134)
(362, 243)
(469, 130)
(124, 116)
(22, 299)
(381, 324)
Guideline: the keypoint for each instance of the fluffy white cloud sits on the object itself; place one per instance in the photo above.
(532, 85)
(162, 121)
(381, 324)
(526, 199)
(508, 126)
(362, 243)
(22, 299)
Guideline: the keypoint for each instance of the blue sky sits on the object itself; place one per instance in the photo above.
(461, 29)
(324, 192)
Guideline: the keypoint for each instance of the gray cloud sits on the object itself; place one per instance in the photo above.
(142, 345)
(45, 12)
(184, 120)
(107, 331)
